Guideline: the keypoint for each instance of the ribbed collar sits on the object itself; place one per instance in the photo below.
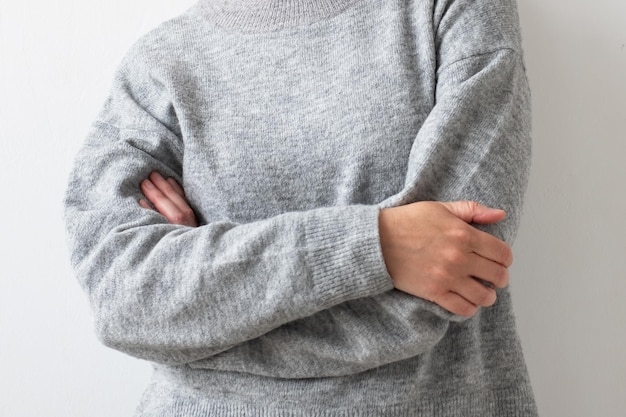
(269, 15)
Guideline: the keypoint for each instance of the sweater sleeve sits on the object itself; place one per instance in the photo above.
(474, 145)
(175, 294)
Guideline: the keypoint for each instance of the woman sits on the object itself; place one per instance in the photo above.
(319, 143)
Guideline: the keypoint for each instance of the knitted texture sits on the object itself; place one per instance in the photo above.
(290, 124)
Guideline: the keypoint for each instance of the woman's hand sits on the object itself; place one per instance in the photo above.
(432, 251)
(168, 198)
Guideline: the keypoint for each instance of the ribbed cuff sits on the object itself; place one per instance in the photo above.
(344, 254)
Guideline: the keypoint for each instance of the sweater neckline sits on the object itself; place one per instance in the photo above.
(269, 15)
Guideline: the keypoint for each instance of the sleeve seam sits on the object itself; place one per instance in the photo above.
(476, 55)
(176, 144)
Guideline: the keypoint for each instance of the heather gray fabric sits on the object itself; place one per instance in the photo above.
(290, 125)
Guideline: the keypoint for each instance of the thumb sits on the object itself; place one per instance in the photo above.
(473, 212)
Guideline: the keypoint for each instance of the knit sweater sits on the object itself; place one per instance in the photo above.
(290, 124)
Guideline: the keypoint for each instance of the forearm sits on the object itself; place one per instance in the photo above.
(177, 294)
(349, 338)
(482, 153)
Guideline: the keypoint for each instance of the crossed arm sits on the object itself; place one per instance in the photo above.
(430, 249)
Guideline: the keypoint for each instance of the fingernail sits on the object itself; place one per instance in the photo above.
(145, 204)
(147, 184)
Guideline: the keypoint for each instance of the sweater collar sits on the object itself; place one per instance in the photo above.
(269, 15)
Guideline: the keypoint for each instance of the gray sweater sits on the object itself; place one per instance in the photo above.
(290, 125)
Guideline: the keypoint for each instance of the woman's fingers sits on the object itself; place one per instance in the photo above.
(492, 272)
(466, 300)
(179, 190)
(172, 193)
(456, 304)
(168, 199)
(161, 202)
(490, 247)
(477, 293)
(145, 204)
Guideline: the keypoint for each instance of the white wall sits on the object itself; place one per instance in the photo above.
(56, 64)
(569, 280)
(570, 274)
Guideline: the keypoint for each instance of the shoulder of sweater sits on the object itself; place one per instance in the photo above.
(165, 43)
(469, 28)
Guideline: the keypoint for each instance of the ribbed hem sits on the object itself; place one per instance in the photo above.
(269, 15)
(515, 401)
(345, 254)
(499, 404)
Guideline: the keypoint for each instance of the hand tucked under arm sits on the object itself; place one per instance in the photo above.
(168, 198)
